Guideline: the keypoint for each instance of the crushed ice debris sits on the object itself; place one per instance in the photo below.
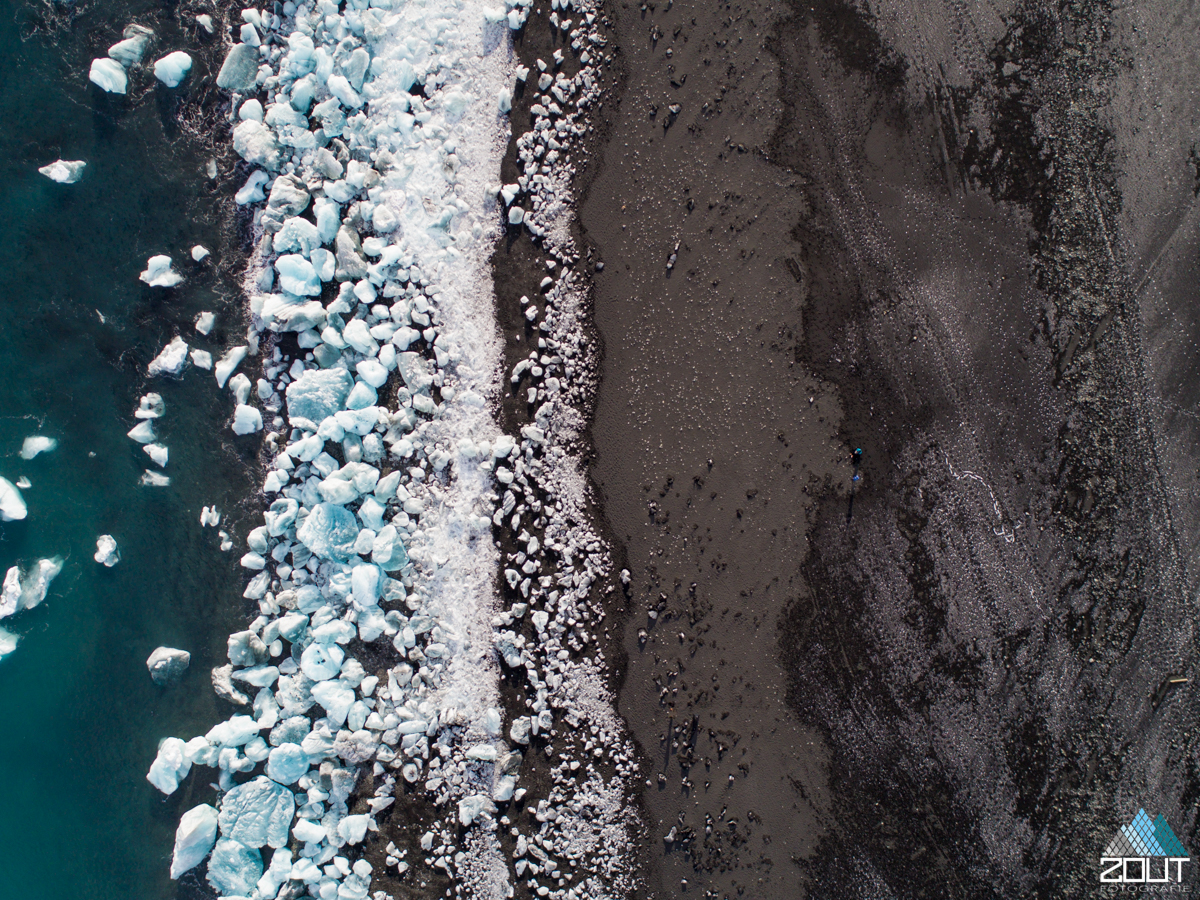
(106, 551)
(129, 51)
(64, 171)
(12, 507)
(205, 322)
(173, 68)
(200, 253)
(108, 75)
(36, 444)
(166, 664)
(159, 273)
(27, 590)
(171, 360)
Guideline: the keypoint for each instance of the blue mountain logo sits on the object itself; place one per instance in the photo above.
(1143, 837)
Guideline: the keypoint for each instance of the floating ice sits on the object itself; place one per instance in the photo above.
(106, 551)
(239, 72)
(287, 763)
(194, 838)
(150, 406)
(36, 444)
(205, 322)
(154, 479)
(200, 253)
(202, 359)
(159, 272)
(143, 432)
(166, 664)
(204, 20)
(234, 868)
(246, 420)
(129, 52)
(109, 75)
(37, 582)
(297, 275)
(12, 507)
(10, 593)
(252, 190)
(173, 68)
(64, 171)
(258, 812)
(171, 360)
(230, 361)
(8, 642)
(317, 394)
(157, 452)
(170, 766)
(256, 143)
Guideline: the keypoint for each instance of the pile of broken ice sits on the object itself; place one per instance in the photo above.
(379, 530)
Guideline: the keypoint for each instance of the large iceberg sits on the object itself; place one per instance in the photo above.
(318, 394)
(194, 838)
(12, 507)
(258, 812)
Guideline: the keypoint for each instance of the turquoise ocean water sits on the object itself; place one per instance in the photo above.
(80, 719)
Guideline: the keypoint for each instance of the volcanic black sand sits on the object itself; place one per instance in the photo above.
(963, 238)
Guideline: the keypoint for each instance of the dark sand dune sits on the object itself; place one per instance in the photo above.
(962, 238)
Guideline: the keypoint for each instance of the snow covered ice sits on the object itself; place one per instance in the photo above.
(64, 171)
(158, 272)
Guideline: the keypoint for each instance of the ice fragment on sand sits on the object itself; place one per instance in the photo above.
(106, 551)
(318, 394)
(108, 75)
(194, 838)
(258, 812)
(157, 452)
(239, 72)
(64, 171)
(234, 868)
(230, 361)
(36, 444)
(166, 664)
(205, 322)
(12, 507)
(287, 763)
(471, 807)
(159, 272)
(246, 420)
(173, 68)
(169, 767)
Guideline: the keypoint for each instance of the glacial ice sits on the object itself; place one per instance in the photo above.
(205, 322)
(258, 812)
(36, 444)
(202, 359)
(8, 642)
(159, 273)
(143, 432)
(200, 253)
(353, 829)
(129, 51)
(154, 479)
(246, 420)
(108, 75)
(37, 582)
(150, 406)
(171, 360)
(204, 20)
(256, 143)
(239, 72)
(106, 551)
(169, 767)
(173, 68)
(10, 593)
(64, 171)
(227, 363)
(320, 662)
(252, 190)
(336, 697)
(194, 838)
(166, 664)
(287, 763)
(157, 452)
(12, 506)
(309, 831)
(234, 868)
(297, 275)
(317, 394)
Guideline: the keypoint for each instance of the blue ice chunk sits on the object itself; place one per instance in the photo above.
(297, 275)
(362, 396)
(256, 813)
(287, 763)
(329, 531)
(234, 869)
(318, 394)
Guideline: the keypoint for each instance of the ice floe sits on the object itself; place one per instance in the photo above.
(194, 839)
(166, 664)
(173, 68)
(108, 75)
(36, 444)
(64, 171)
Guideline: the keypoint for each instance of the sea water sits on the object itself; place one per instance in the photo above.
(80, 719)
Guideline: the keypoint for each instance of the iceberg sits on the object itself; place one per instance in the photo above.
(255, 143)
(151, 406)
(129, 52)
(36, 444)
(106, 551)
(12, 507)
(64, 171)
(194, 838)
(320, 662)
(166, 664)
(246, 420)
(205, 322)
(159, 272)
(173, 68)
(258, 812)
(170, 766)
(154, 479)
(10, 593)
(200, 253)
(234, 868)
(171, 360)
(202, 359)
(108, 75)
(318, 394)
(329, 531)
(309, 831)
(239, 72)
